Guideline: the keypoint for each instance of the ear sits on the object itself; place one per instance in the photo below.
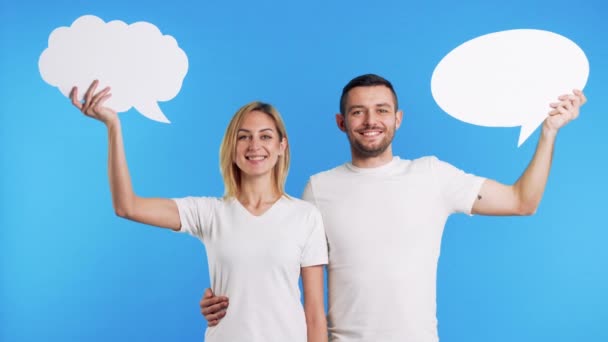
(340, 121)
(283, 146)
(398, 118)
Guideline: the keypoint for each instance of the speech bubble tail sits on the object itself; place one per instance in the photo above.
(527, 129)
(152, 111)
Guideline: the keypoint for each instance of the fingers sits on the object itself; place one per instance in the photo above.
(213, 305)
(208, 294)
(213, 300)
(580, 95)
(103, 99)
(213, 321)
(215, 317)
(568, 103)
(92, 103)
(566, 110)
(576, 101)
(88, 96)
(74, 98)
(562, 108)
(577, 97)
(583, 98)
(96, 101)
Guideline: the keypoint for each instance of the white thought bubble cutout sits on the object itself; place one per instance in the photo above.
(508, 78)
(142, 65)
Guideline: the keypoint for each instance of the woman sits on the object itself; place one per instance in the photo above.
(258, 239)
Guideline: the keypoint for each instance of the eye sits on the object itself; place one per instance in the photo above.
(242, 137)
(356, 112)
(383, 110)
(266, 137)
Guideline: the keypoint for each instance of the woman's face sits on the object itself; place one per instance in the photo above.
(258, 145)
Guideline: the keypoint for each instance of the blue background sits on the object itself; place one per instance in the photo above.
(72, 271)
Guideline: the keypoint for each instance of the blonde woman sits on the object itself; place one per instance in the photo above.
(258, 240)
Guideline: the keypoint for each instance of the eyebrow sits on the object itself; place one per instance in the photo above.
(262, 130)
(354, 107)
(383, 104)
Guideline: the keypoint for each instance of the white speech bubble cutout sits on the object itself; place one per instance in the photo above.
(142, 65)
(508, 78)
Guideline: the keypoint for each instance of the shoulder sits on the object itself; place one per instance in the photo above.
(324, 180)
(333, 172)
(426, 160)
(426, 167)
(201, 201)
(299, 205)
(304, 216)
(301, 208)
(429, 163)
(440, 169)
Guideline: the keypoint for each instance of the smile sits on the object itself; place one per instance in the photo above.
(370, 133)
(255, 158)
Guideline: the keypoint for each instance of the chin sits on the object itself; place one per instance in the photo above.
(256, 172)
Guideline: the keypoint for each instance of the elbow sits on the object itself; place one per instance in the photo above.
(527, 209)
(124, 207)
(526, 204)
(122, 212)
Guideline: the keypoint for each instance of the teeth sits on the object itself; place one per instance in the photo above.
(371, 134)
(256, 158)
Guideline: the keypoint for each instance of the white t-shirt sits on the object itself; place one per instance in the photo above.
(256, 261)
(384, 228)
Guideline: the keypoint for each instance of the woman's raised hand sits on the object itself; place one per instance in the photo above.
(93, 103)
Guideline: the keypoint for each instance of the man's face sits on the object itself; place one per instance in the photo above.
(370, 120)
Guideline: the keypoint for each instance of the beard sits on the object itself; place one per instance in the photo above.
(370, 151)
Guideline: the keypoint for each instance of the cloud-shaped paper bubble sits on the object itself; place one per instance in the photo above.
(508, 78)
(141, 64)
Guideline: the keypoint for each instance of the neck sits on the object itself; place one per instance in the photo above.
(365, 162)
(257, 190)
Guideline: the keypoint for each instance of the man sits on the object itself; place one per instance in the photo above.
(384, 217)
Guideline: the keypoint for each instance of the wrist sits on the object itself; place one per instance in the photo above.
(548, 132)
(112, 122)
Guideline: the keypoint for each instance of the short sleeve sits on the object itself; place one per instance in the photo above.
(315, 248)
(458, 188)
(195, 214)
(308, 195)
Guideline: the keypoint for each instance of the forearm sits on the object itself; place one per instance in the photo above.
(314, 309)
(154, 211)
(523, 197)
(530, 187)
(316, 327)
(123, 196)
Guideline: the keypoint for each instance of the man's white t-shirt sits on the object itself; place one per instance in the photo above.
(384, 228)
(255, 261)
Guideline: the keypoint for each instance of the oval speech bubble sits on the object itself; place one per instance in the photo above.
(508, 78)
(142, 65)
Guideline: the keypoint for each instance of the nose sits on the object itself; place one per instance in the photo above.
(370, 118)
(254, 143)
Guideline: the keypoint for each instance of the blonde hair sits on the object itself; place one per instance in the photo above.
(230, 171)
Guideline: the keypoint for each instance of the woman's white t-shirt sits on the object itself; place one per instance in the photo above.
(255, 261)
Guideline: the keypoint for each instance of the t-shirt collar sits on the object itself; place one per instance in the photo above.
(372, 170)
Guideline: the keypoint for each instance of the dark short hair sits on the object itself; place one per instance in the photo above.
(367, 80)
